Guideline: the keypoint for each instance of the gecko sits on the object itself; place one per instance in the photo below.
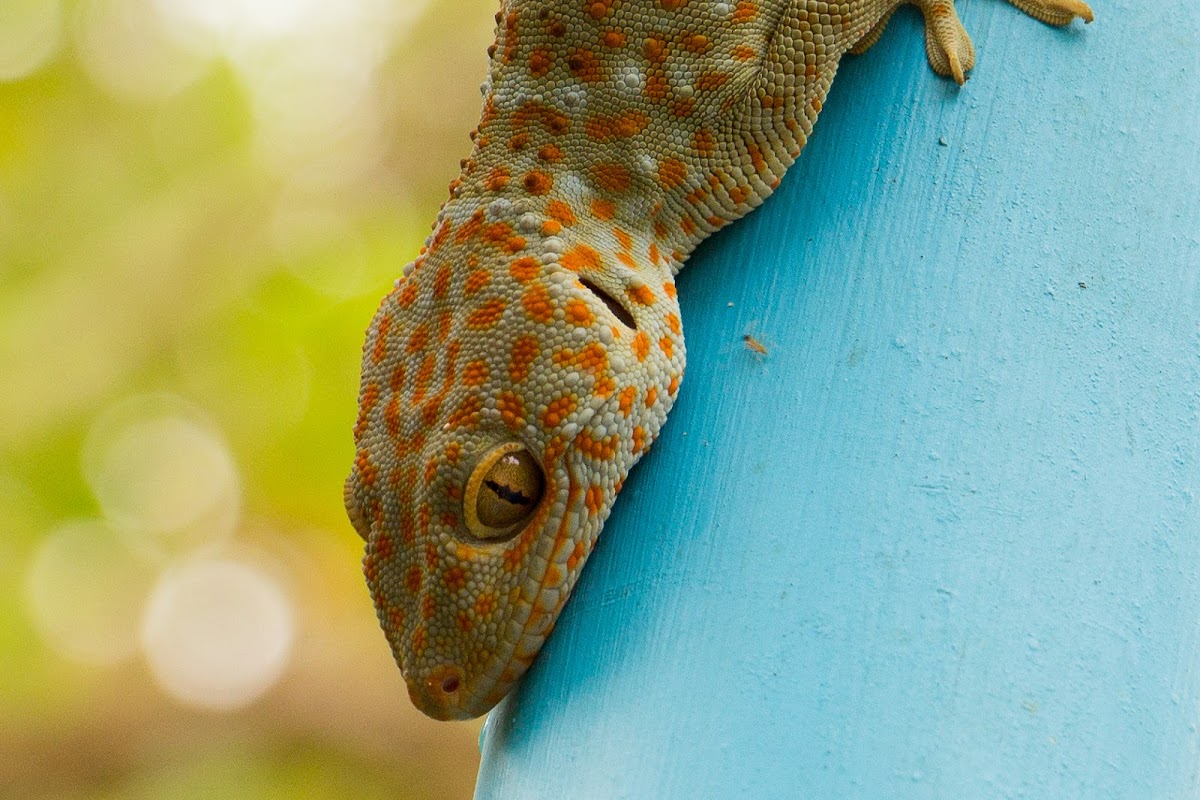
(529, 355)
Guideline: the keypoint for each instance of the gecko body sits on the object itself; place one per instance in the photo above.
(529, 356)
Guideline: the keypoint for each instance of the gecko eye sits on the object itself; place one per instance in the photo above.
(503, 491)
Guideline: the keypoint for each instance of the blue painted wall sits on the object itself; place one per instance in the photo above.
(944, 540)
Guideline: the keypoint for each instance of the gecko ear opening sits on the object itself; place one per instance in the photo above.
(503, 492)
(612, 303)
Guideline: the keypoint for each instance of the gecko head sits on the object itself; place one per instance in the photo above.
(502, 404)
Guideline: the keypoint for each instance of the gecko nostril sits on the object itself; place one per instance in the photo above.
(444, 682)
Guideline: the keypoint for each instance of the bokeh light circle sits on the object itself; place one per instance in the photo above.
(218, 633)
(30, 34)
(85, 590)
(162, 473)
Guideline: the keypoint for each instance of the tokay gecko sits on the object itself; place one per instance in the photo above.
(530, 354)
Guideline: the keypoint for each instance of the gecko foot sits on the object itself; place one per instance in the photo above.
(1055, 12)
(949, 47)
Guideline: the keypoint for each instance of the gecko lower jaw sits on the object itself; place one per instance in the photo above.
(443, 694)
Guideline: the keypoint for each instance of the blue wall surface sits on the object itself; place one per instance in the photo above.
(944, 540)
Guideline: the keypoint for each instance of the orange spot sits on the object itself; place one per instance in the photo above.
(428, 606)
(379, 351)
(463, 621)
(487, 314)
(431, 468)
(641, 294)
(418, 339)
(553, 120)
(536, 302)
(525, 350)
(641, 346)
(704, 143)
(657, 86)
(592, 358)
(537, 182)
(744, 53)
(639, 439)
(467, 413)
(453, 451)
(580, 257)
(391, 417)
(576, 556)
(429, 411)
(696, 43)
(578, 313)
(756, 157)
(655, 49)
(441, 282)
(687, 226)
(673, 386)
(368, 473)
(419, 640)
(598, 9)
(625, 401)
(603, 209)
(625, 125)
(599, 449)
(551, 227)
(512, 409)
(470, 228)
(585, 66)
(541, 59)
(497, 179)
(627, 260)
(651, 396)
(370, 397)
(667, 346)
(510, 36)
(408, 294)
(594, 499)
(613, 39)
(671, 173)
(674, 324)
(475, 373)
(660, 230)
(412, 579)
(684, 107)
(558, 210)
(476, 281)
(623, 238)
(673, 5)
(611, 176)
(745, 11)
(486, 604)
(738, 194)
(524, 269)
(443, 324)
(551, 153)
(518, 142)
(558, 410)
(654, 256)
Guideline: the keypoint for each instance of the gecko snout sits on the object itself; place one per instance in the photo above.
(441, 693)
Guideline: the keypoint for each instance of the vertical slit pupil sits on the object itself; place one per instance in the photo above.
(614, 305)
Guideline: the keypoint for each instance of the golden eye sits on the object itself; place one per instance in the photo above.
(503, 492)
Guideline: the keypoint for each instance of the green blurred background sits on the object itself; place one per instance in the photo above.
(201, 204)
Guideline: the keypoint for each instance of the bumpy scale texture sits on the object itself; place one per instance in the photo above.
(615, 136)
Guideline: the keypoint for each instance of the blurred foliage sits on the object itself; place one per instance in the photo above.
(210, 220)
